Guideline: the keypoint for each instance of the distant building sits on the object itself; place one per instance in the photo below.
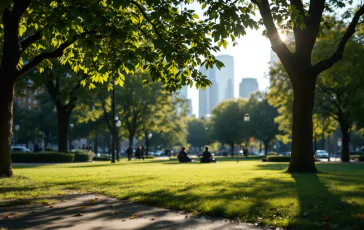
(183, 93)
(224, 76)
(222, 85)
(247, 86)
(28, 99)
(208, 98)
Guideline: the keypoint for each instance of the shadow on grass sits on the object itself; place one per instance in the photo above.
(77, 211)
(299, 201)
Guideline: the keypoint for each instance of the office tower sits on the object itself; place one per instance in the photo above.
(224, 76)
(247, 86)
(209, 97)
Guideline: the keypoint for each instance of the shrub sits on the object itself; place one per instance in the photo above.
(361, 158)
(149, 157)
(42, 157)
(356, 153)
(278, 158)
(101, 158)
(83, 156)
(273, 153)
(49, 150)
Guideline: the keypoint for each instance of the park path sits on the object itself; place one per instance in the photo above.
(91, 212)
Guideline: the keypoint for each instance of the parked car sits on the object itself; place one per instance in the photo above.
(19, 149)
(321, 154)
(285, 154)
(159, 153)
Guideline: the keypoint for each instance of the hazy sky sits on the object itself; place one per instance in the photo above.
(251, 59)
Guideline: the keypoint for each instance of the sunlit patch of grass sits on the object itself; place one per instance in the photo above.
(246, 190)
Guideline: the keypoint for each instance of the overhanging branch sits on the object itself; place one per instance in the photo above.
(339, 53)
(30, 40)
(48, 55)
(146, 17)
(278, 45)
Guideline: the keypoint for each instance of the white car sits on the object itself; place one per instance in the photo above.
(321, 154)
(19, 149)
(159, 153)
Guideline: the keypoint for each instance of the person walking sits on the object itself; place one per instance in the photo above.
(138, 152)
(129, 151)
(143, 152)
(246, 152)
(207, 156)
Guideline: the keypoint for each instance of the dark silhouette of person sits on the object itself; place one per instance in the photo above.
(207, 156)
(129, 152)
(142, 152)
(183, 156)
(246, 152)
(138, 152)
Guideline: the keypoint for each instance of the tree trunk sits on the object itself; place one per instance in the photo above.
(232, 149)
(345, 143)
(302, 159)
(131, 139)
(266, 143)
(6, 124)
(63, 118)
(146, 144)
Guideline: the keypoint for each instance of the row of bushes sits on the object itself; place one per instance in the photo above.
(357, 157)
(278, 158)
(52, 157)
(356, 153)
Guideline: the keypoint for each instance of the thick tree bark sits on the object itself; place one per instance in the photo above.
(131, 140)
(6, 124)
(302, 159)
(345, 157)
(232, 149)
(146, 143)
(63, 118)
(266, 143)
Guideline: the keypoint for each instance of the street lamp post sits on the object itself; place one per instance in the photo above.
(16, 134)
(246, 119)
(117, 124)
(114, 122)
(207, 129)
(71, 127)
(149, 136)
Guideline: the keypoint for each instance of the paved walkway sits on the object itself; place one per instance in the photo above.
(89, 211)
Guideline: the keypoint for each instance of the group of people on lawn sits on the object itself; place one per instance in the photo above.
(205, 158)
(182, 156)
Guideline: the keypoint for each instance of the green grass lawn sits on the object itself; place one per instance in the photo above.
(252, 191)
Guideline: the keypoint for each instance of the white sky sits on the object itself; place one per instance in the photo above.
(251, 59)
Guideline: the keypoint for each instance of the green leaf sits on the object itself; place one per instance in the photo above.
(196, 16)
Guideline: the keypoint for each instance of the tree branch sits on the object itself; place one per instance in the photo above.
(48, 55)
(339, 53)
(146, 17)
(73, 97)
(144, 33)
(53, 90)
(106, 115)
(30, 40)
(278, 45)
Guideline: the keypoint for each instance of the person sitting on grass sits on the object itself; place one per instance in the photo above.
(207, 156)
(183, 156)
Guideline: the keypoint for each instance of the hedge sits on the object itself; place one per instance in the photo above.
(42, 157)
(278, 158)
(83, 156)
(356, 153)
(101, 158)
(357, 157)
